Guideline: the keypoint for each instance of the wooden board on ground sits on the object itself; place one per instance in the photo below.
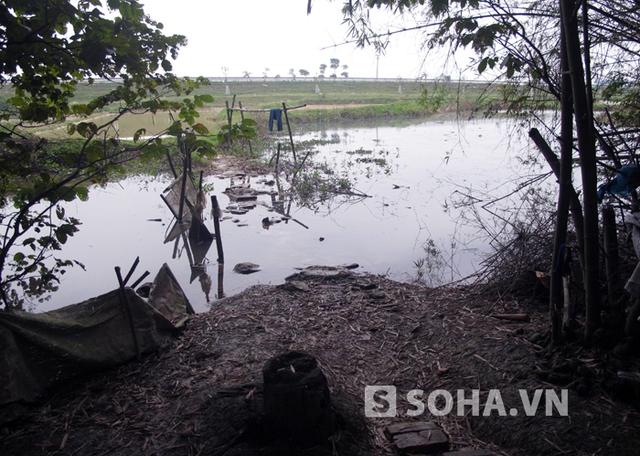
(417, 437)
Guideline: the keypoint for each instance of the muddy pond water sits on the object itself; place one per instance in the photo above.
(418, 179)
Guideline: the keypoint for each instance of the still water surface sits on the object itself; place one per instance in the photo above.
(412, 199)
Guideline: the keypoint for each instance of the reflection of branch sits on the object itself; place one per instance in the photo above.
(356, 192)
(299, 223)
(319, 201)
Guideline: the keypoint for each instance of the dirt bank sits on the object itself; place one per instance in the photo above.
(198, 396)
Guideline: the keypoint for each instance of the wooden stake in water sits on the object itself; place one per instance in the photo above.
(173, 170)
(286, 117)
(242, 117)
(182, 191)
(230, 116)
(216, 226)
(185, 166)
(220, 280)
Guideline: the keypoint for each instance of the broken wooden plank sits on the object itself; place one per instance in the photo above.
(423, 437)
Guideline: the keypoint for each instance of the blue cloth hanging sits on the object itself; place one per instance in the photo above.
(275, 114)
(626, 180)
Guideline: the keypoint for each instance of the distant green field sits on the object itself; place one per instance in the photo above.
(259, 94)
(340, 99)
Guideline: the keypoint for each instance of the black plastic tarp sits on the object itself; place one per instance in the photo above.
(39, 349)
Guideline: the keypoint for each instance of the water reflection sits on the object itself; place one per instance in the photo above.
(196, 240)
(407, 179)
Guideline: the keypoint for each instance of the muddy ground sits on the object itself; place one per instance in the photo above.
(202, 394)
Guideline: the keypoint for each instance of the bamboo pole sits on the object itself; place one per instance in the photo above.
(569, 311)
(228, 121)
(216, 225)
(242, 117)
(127, 306)
(175, 247)
(132, 270)
(266, 110)
(169, 206)
(140, 279)
(574, 199)
(612, 261)
(197, 213)
(173, 170)
(230, 116)
(182, 191)
(299, 167)
(280, 195)
(286, 117)
(299, 222)
(187, 247)
(588, 167)
(556, 286)
(220, 280)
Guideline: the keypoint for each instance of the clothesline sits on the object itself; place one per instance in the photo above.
(264, 110)
(274, 114)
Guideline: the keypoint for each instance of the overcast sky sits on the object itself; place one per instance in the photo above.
(251, 35)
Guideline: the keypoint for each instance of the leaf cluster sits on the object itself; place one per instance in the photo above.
(49, 46)
(245, 129)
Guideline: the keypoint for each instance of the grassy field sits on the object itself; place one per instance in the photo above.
(259, 94)
(336, 100)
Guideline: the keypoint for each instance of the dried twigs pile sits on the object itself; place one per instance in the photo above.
(199, 396)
